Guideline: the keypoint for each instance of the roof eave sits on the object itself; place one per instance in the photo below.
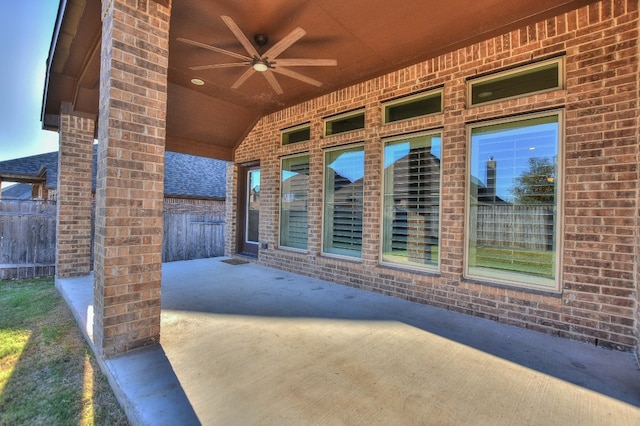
(46, 121)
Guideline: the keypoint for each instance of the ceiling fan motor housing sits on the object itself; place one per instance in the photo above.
(260, 39)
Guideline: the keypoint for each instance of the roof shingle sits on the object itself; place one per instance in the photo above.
(186, 176)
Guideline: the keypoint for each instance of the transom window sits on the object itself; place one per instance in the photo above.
(539, 77)
(294, 189)
(342, 123)
(411, 205)
(413, 106)
(513, 199)
(296, 134)
(343, 195)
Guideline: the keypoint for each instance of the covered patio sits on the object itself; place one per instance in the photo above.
(258, 345)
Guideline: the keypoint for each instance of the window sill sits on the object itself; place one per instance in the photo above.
(512, 285)
(427, 272)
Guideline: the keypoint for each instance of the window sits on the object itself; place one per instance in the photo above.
(513, 201)
(413, 106)
(411, 205)
(296, 134)
(539, 77)
(346, 122)
(294, 188)
(343, 193)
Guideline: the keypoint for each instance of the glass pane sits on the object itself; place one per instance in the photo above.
(345, 124)
(411, 206)
(293, 202)
(513, 201)
(296, 135)
(253, 205)
(344, 174)
(415, 107)
(530, 80)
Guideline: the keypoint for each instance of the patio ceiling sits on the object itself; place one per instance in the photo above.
(367, 38)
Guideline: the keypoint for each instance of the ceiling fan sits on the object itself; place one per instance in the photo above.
(267, 63)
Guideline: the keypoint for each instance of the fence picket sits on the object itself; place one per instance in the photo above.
(28, 238)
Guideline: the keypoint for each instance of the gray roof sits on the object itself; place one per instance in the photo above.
(33, 167)
(194, 177)
(17, 191)
(186, 176)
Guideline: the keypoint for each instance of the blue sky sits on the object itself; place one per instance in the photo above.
(26, 27)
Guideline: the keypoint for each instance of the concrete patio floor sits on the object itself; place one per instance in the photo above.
(246, 345)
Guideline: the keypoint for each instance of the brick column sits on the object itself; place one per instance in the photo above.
(130, 178)
(231, 211)
(75, 159)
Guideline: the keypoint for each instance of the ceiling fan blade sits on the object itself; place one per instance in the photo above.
(213, 66)
(240, 36)
(273, 82)
(305, 62)
(283, 44)
(215, 49)
(297, 76)
(243, 78)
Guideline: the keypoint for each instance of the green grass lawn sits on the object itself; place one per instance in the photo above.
(48, 375)
(539, 263)
(532, 262)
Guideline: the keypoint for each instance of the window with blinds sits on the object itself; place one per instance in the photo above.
(411, 205)
(513, 201)
(294, 188)
(343, 195)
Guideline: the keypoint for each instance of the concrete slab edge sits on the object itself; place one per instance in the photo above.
(126, 403)
(135, 417)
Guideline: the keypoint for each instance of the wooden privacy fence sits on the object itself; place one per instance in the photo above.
(529, 227)
(189, 236)
(28, 238)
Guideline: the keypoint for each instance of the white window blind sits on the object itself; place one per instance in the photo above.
(344, 175)
(411, 205)
(293, 202)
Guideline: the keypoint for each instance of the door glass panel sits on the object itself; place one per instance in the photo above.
(253, 205)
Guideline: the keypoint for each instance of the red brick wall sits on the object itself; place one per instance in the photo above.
(73, 222)
(130, 175)
(599, 275)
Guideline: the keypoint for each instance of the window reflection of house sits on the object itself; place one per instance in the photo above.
(413, 181)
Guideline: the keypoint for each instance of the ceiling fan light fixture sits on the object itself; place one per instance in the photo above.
(261, 62)
(260, 66)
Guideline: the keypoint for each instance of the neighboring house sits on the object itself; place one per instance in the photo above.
(194, 209)
(187, 178)
(39, 171)
(480, 156)
(18, 191)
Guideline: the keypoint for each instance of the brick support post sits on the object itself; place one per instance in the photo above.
(75, 159)
(231, 211)
(130, 178)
